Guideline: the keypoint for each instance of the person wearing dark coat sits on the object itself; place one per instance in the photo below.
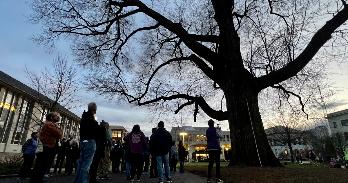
(116, 156)
(182, 155)
(88, 136)
(160, 144)
(153, 166)
(101, 143)
(214, 150)
(72, 157)
(147, 155)
(61, 154)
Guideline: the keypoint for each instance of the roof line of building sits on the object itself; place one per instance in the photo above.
(9, 81)
(337, 113)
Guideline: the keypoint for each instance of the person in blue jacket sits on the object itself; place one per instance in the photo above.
(28, 150)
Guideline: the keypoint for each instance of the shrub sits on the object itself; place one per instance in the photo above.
(10, 164)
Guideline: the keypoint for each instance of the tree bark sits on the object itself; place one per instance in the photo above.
(248, 138)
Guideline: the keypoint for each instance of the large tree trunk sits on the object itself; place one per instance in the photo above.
(248, 139)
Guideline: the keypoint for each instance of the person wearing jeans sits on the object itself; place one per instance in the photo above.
(163, 164)
(88, 148)
(214, 149)
(88, 137)
(160, 144)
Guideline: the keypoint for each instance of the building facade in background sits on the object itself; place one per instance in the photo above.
(279, 138)
(195, 141)
(338, 122)
(117, 132)
(22, 111)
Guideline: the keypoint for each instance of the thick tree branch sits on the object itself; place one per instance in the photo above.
(205, 38)
(176, 28)
(317, 41)
(218, 115)
(190, 102)
(202, 66)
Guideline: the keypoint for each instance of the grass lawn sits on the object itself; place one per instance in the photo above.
(288, 174)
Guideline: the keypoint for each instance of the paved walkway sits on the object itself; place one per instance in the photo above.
(116, 178)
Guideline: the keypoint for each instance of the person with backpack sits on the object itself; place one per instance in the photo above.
(160, 144)
(28, 150)
(173, 157)
(213, 139)
(182, 155)
(137, 144)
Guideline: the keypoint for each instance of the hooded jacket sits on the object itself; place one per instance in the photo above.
(136, 142)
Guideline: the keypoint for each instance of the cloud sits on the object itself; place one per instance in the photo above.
(334, 105)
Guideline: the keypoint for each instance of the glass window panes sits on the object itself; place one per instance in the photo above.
(8, 108)
(20, 126)
(344, 122)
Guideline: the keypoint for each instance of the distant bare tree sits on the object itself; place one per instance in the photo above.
(55, 86)
(288, 131)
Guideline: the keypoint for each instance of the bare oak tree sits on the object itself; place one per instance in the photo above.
(191, 53)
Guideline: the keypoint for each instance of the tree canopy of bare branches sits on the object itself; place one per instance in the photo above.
(189, 53)
(59, 84)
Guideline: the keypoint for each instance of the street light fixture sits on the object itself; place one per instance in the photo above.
(183, 134)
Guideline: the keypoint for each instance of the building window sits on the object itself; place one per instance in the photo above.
(346, 136)
(8, 107)
(334, 124)
(116, 134)
(21, 122)
(344, 122)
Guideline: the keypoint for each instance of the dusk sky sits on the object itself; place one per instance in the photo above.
(17, 51)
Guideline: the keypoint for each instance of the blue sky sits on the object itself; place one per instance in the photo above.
(17, 51)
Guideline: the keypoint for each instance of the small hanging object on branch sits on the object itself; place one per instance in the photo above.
(195, 112)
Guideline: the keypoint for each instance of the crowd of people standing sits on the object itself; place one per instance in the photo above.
(96, 153)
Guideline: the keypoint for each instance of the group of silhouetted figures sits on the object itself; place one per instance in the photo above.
(92, 157)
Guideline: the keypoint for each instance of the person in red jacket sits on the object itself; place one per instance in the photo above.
(49, 134)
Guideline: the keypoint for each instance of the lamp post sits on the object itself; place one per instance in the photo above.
(183, 134)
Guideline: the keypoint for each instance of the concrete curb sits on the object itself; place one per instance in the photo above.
(8, 176)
